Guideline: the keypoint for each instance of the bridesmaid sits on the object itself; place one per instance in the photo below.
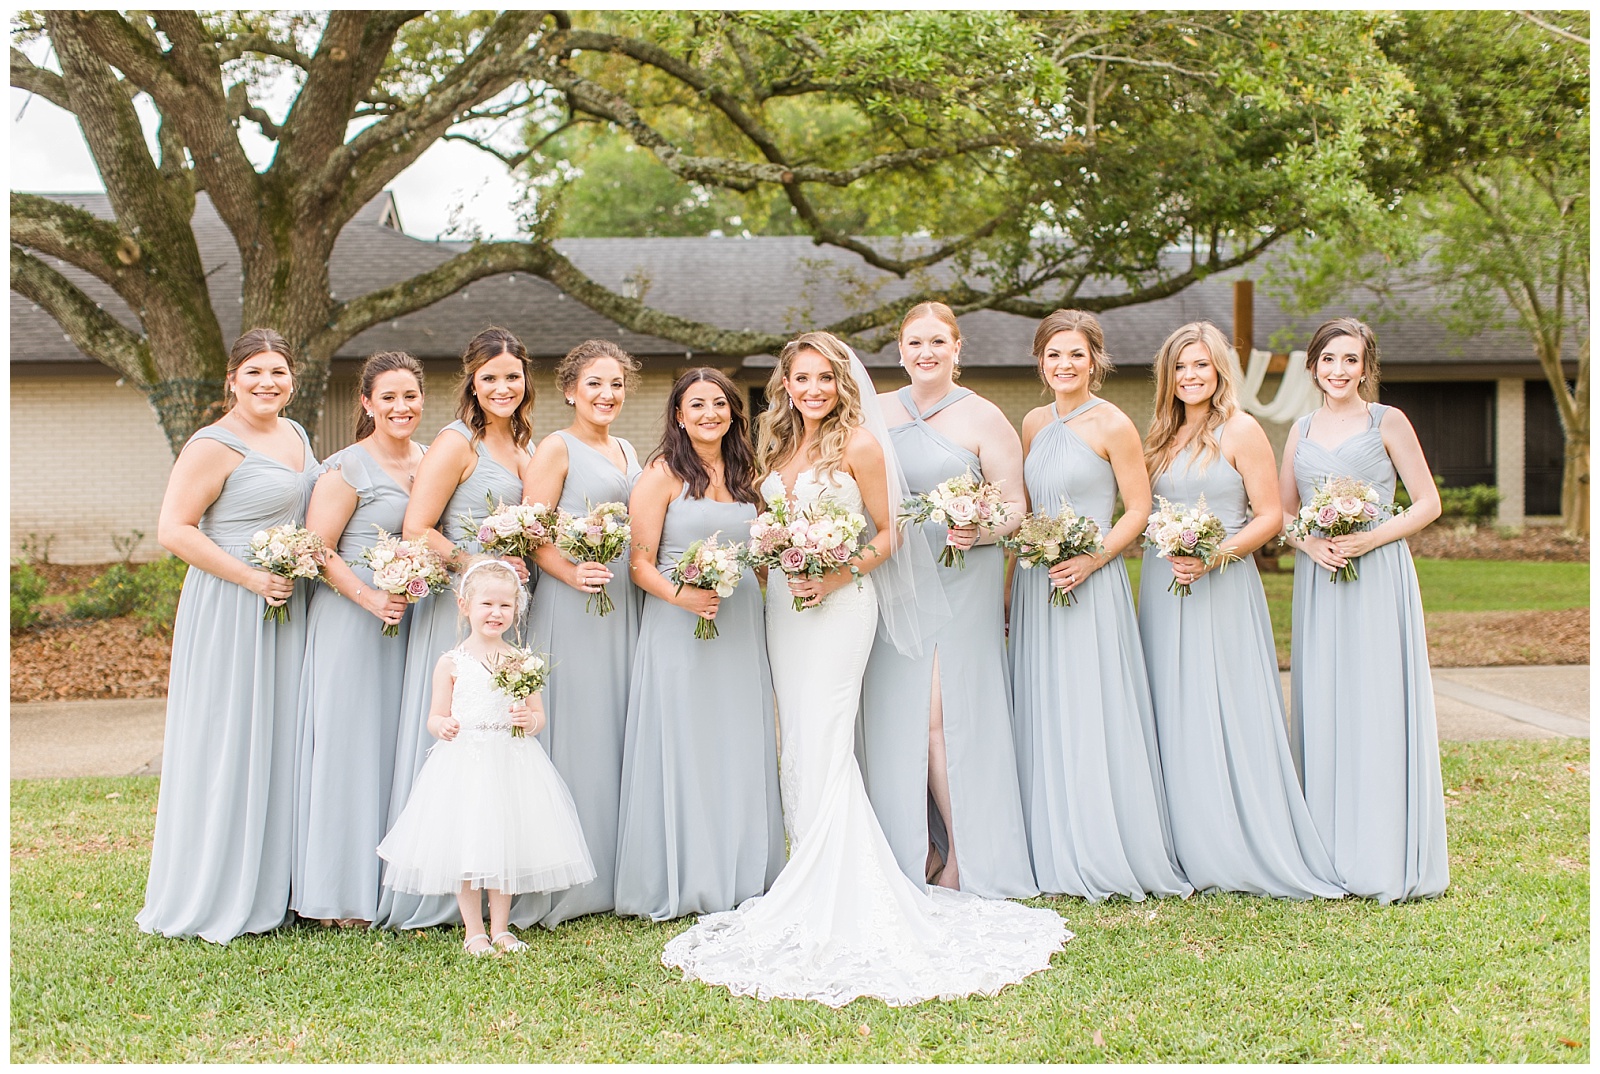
(1361, 694)
(480, 457)
(1085, 732)
(939, 726)
(224, 823)
(350, 689)
(1239, 821)
(701, 827)
(590, 656)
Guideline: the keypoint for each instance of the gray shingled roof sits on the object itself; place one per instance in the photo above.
(774, 284)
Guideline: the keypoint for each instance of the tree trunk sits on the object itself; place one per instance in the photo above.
(184, 404)
(1575, 480)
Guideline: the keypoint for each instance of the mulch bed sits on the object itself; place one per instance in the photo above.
(74, 661)
(1447, 540)
(1501, 639)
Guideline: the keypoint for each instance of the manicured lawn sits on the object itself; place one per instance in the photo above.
(1448, 585)
(1496, 970)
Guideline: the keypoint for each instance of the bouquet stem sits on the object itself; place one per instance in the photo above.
(1062, 598)
(278, 613)
(1180, 588)
(391, 630)
(1347, 573)
(954, 557)
(601, 601)
(705, 629)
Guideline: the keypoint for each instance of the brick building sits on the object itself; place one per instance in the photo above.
(89, 462)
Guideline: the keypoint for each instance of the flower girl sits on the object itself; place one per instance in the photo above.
(488, 809)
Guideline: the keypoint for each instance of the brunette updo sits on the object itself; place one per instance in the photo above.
(254, 342)
(586, 354)
(1075, 321)
(371, 370)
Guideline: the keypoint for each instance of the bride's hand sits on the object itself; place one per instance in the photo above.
(814, 589)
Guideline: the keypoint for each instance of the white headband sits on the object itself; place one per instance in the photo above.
(522, 591)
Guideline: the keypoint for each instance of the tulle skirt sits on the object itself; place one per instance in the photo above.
(487, 809)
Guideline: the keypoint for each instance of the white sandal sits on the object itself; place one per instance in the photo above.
(466, 945)
(514, 945)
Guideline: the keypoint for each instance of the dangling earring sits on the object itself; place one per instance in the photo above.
(790, 399)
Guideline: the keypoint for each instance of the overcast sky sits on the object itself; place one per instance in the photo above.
(49, 156)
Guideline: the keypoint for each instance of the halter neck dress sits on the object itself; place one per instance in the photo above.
(349, 715)
(586, 697)
(220, 865)
(975, 691)
(1085, 730)
(434, 631)
(1239, 820)
(1362, 724)
(701, 826)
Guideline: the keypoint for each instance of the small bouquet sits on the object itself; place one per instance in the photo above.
(1043, 540)
(408, 569)
(1340, 505)
(597, 537)
(518, 673)
(288, 551)
(960, 501)
(822, 538)
(1176, 530)
(705, 564)
(514, 529)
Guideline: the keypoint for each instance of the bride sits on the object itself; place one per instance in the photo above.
(842, 921)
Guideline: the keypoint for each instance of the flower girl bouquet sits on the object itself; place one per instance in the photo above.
(705, 564)
(514, 529)
(289, 551)
(408, 569)
(1340, 505)
(1176, 530)
(597, 537)
(1043, 540)
(960, 501)
(822, 538)
(518, 674)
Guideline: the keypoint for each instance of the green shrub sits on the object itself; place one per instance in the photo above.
(115, 592)
(159, 585)
(1475, 504)
(27, 586)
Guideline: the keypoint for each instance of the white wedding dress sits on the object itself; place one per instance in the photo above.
(842, 921)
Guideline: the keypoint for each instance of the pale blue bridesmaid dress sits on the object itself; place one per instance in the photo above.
(1085, 732)
(1362, 727)
(220, 865)
(701, 826)
(1239, 821)
(975, 687)
(586, 698)
(434, 631)
(349, 716)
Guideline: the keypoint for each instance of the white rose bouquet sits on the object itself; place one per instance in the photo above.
(823, 538)
(289, 551)
(1338, 506)
(960, 501)
(519, 674)
(1176, 530)
(705, 564)
(514, 529)
(597, 537)
(408, 569)
(1043, 540)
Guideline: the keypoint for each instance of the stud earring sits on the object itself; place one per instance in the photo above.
(569, 400)
(680, 424)
(369, 414)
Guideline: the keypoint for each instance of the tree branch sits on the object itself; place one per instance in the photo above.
(91, 329)
(1558, 31)
(236, 46)
(25, 74)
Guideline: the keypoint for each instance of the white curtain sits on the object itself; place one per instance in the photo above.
(1297, 393)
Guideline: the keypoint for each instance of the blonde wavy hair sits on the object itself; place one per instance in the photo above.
(1161, 442)
(781, 428)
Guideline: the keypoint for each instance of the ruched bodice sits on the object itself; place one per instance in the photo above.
(592, 478)
(380, 501)
(1185, 481)
(475, 497)
(1062, 468)
(260, 493)
(926, 455)
(689, 520)
(1361, 456)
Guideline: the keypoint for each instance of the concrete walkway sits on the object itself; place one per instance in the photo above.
(58, 739)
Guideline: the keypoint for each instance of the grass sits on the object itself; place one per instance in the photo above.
(1448, 585)
(1497, 969)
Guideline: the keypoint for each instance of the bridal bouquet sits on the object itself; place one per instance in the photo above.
(1176, 530)
(1043, 540)
(289, 551)
(518, 674)
(822, 538)
(408, 569)
(1338, 506)
(514, 529)
(705, 564)
(597, 537)
(960, 501)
